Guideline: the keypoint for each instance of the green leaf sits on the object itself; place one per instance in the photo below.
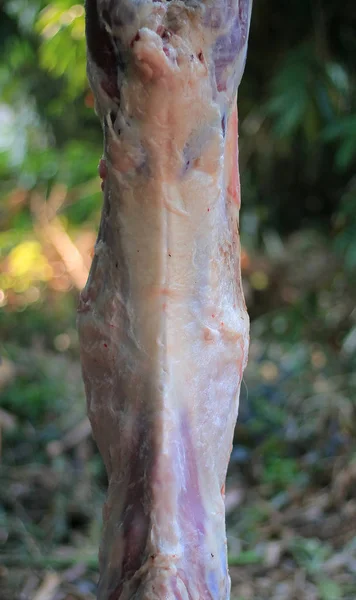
(346, 153)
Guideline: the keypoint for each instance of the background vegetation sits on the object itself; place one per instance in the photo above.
(291, 488)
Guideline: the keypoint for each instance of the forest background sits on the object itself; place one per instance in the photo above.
(291, 490)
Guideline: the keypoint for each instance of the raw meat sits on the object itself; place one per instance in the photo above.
(162, 320)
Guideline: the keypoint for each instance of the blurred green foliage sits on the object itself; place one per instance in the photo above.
(297, 110)
(297, 120)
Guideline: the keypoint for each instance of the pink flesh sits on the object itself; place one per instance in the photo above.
(162, 321)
